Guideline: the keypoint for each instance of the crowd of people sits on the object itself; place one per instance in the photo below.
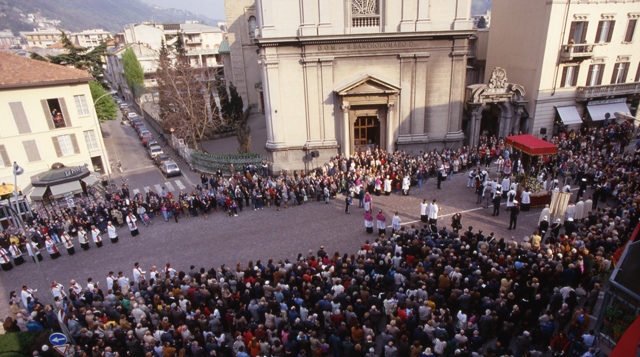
(414, 290)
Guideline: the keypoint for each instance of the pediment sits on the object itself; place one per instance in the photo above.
(368, 85)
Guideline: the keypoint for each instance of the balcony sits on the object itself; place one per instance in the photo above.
(365, 21)
(576, 52)
(610, 90)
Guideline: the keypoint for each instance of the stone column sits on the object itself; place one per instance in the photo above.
(474, 124)
(390, 126)
(275, 126)
(346, 145)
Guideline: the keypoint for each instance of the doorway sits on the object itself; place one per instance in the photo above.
(490, 122)
(366, 133)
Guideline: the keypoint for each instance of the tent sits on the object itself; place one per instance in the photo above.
(531, 145)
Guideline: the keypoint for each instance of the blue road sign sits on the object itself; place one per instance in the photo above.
(58, 339)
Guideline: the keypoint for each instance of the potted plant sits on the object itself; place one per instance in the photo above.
(611, 315)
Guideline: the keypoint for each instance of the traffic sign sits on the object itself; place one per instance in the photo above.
(57, 339)
(61, 349)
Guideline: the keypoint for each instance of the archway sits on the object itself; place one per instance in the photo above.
(490, 121)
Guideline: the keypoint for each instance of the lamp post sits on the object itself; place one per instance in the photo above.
(17, 170)
(102, 146)
(104, 95)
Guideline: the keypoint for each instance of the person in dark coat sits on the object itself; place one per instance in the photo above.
(513, 215)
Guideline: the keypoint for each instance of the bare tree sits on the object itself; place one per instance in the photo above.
(185, 98)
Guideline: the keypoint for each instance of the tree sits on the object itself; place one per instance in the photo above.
(133, 72)
(79, 57)
(482, 22)
(232, 111)
(106, 108)
(185, 98)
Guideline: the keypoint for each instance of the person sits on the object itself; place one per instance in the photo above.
(513, 215)
(424, 211)
(138, 273)
(487, 195)
(497, 197)
(380, 222)
(544, 213)
(57, 290)
(442, 175)
(543, 226)
(16, 254)
(131, 222)
(95, 233)
(387, 186)
(347, 204)
(583, 187)
(368, 204)
(396, 222)
(368, 222)
(406, 184)
(82, 238)
(456, 222)
(34, 251)
(433, 213)
(111, 231)
(555, 228)
(511, 197)
(27, 293)
(50, 245)
(525, 200)
(5, 260)
(580, 213)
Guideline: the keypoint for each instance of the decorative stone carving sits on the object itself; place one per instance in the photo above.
(364, 7)
(608, 16)
(634, 15)
(498, 78)
(623, 58)
(580, 16)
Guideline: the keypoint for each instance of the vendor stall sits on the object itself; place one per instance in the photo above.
(532, 149)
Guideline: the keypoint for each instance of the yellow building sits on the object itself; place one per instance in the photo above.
(47, 116)
(578, 60)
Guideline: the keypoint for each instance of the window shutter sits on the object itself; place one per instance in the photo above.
(47, 114)
(5, 157)
(31, 148)
(600, 74)
(610, 34)
(56, 145)
(65, 112)
(599, 32)
(20, 117)
(74, 141)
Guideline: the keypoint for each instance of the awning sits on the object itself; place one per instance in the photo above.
(90, 180)
(38, 193)
(70, 187)
(597, 112)
(531, 145)
(569, 115)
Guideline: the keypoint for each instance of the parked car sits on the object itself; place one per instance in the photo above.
(124, 105)
(143, 132)
(170, 168)
(154, 150)
(146, 138)
(132, 115)
(161, 159)
(140, 127)
(152, 142)
(135, 122)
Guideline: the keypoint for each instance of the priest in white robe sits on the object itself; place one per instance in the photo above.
(580, 210)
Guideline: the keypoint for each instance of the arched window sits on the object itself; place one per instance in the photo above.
(252, 26)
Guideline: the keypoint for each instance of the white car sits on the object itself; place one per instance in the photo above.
(154, 150)
(124, 105)
(132, 115)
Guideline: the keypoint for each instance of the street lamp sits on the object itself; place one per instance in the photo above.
(104, 95)
(17, 170)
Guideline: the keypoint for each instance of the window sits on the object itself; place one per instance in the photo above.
(605, 30)
(620, 71)
(638, 74)
(4, 158)
(569, 76)
(578, 32)
(66, 145)
(90, 138)
(595, 75)
(631, 28)
(55, 111)
(81, 105)
(31, 149)
(252, 27)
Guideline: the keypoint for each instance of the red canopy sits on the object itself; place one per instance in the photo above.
(628, 344)
(531, 145)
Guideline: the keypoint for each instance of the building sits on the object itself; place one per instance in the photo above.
(47, 117)
(577, 60)
(42, 38)
(90, 38)
(114, 72)
(8, 40)
(340, 76)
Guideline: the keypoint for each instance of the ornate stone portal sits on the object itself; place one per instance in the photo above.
(509, 97)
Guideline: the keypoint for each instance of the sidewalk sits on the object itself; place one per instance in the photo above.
(229, 145)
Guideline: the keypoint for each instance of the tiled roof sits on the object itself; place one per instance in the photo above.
(16, 71)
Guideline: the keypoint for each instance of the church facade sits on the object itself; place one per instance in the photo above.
(340, 76)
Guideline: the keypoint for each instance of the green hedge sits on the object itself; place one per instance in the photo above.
(22, 343)
(206, 162)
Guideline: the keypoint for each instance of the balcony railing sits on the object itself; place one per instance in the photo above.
(586, 93)
(365, 21)
(573, 52)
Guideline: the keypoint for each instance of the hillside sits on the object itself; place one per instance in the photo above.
(76, 15)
